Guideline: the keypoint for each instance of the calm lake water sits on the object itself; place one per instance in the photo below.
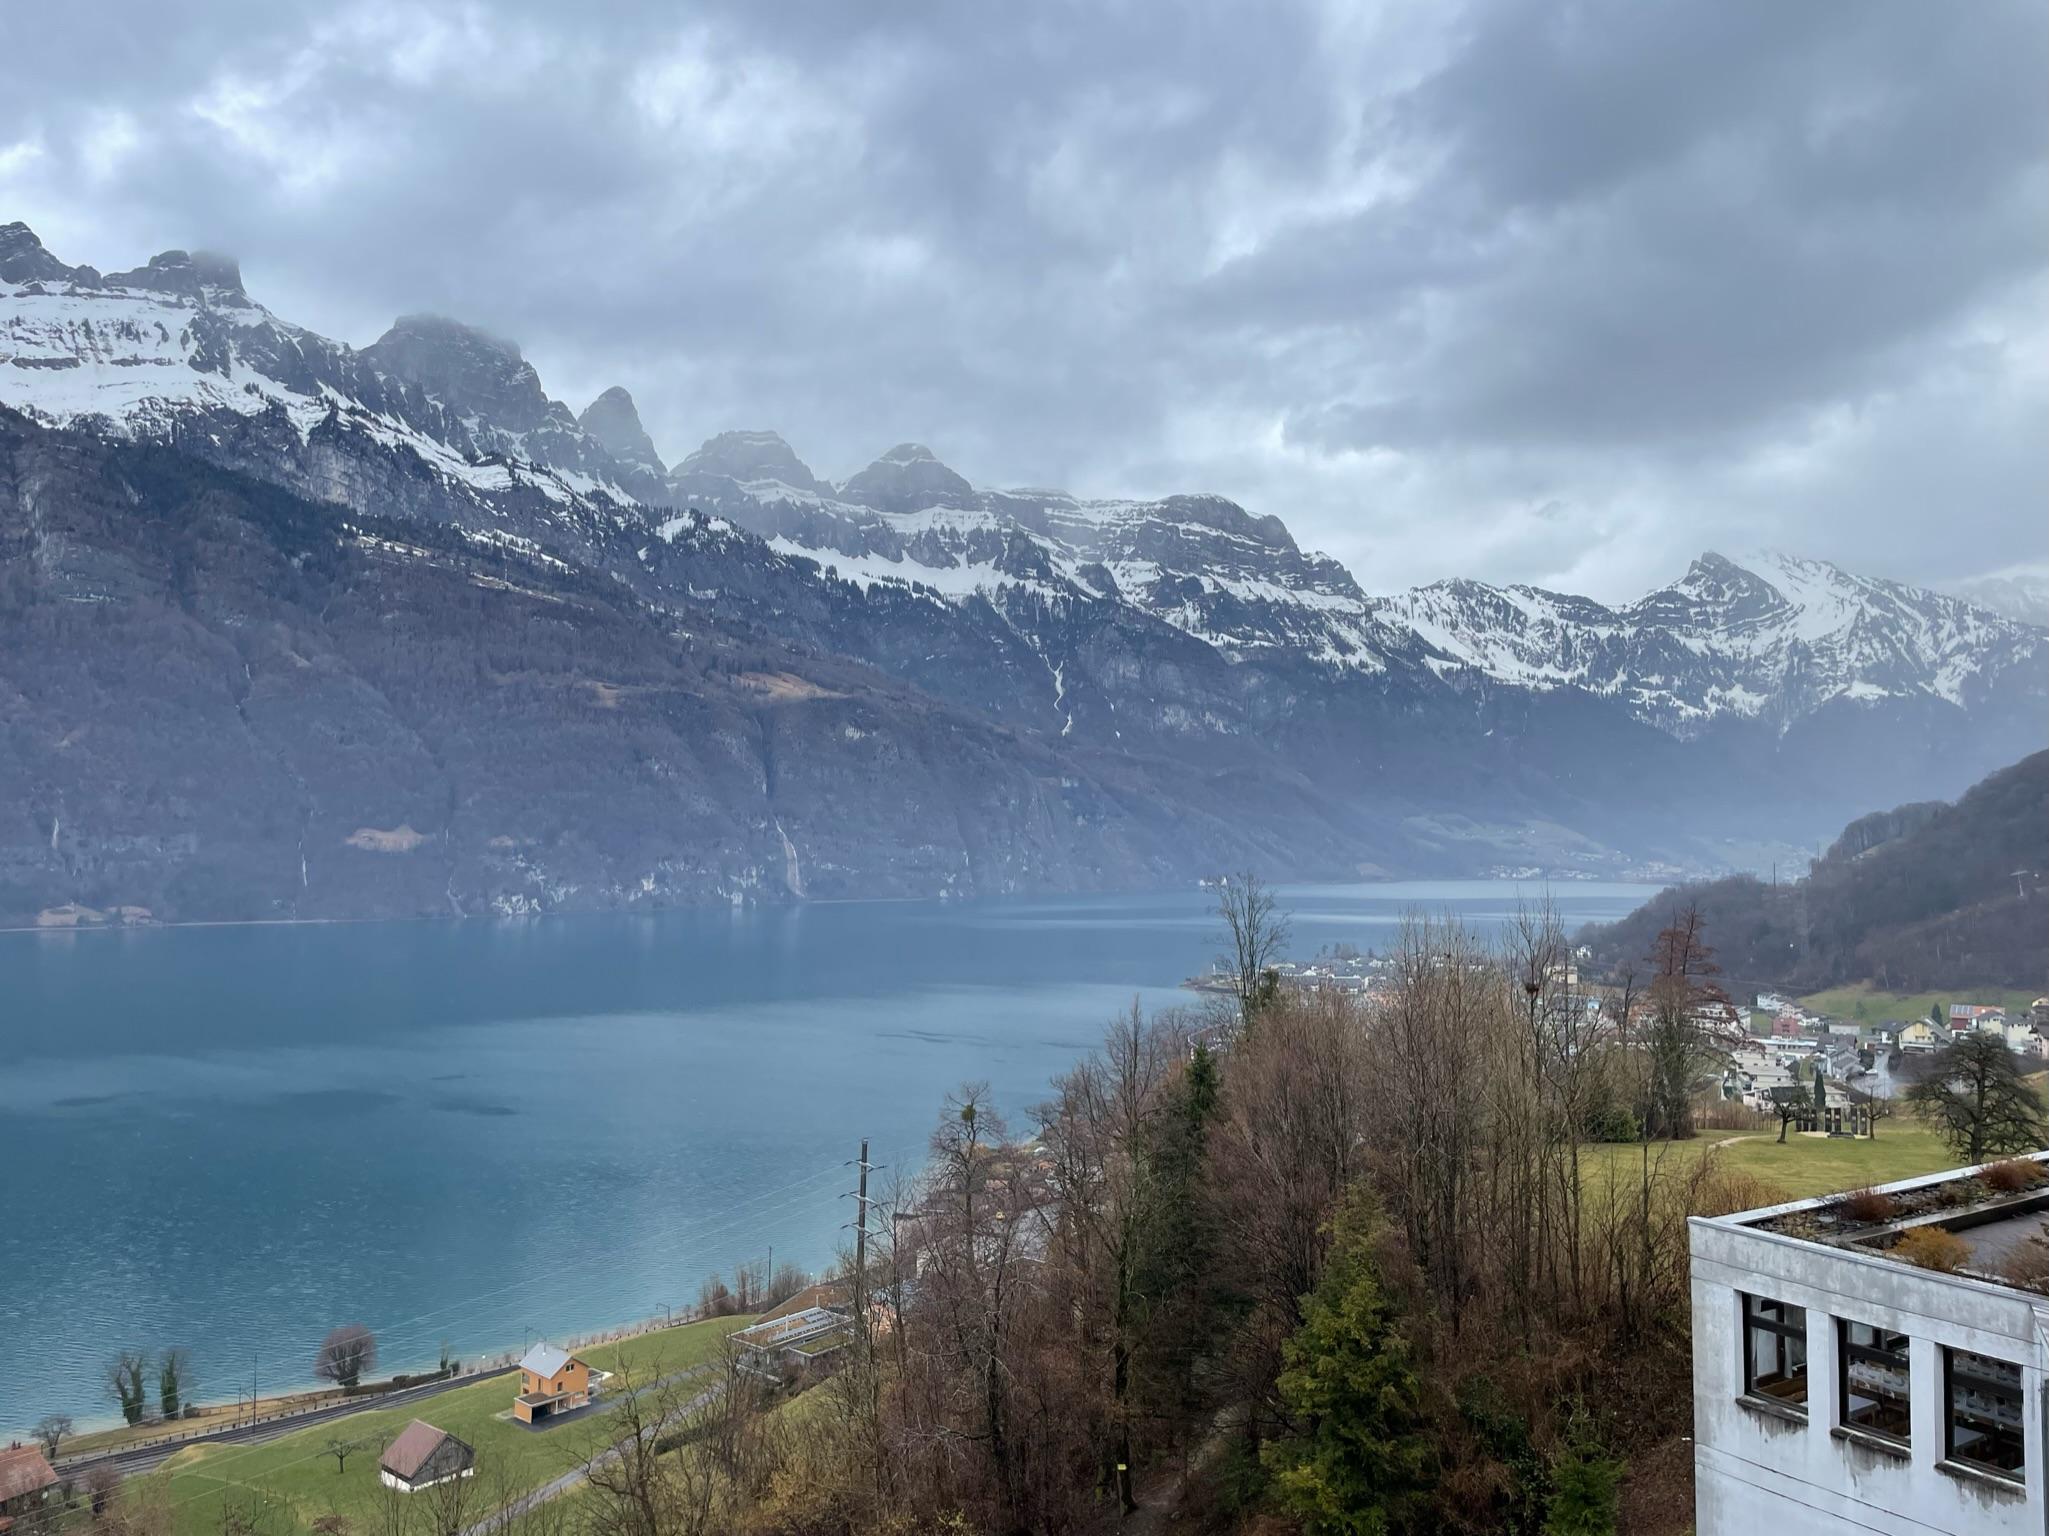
(231, 1139)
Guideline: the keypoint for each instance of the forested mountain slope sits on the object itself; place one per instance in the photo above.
(1921, 897)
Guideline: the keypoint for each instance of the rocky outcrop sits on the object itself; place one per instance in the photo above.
(614, 421)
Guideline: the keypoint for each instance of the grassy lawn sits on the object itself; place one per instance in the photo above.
(1804, 1166)
(298, 1482)
(1868, 1005)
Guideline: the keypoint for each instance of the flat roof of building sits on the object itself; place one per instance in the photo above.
(1996, 1219)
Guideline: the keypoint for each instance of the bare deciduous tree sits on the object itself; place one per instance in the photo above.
(346, 1354)
(1689, 1018)
(1289, 1137)
(51, 1431)
(341, 1448)
(1981, 1105)
(1257, 934)
(1101, 1133)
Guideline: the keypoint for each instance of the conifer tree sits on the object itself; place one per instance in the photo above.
(1361, 1462)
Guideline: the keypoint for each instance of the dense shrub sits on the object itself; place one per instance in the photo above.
(2014, 1175)
(1932, 1248)
(1868, 1205)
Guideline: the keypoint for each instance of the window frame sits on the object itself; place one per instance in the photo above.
(1903, 1359)
(2016, 1392)
(1788, 1333)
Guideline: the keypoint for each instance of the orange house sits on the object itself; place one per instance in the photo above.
(551, 1382)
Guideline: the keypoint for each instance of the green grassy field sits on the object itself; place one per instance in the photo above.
(1804, 1165)
(1867, 1005)
(295, 1480)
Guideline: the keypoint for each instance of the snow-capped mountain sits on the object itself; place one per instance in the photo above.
(176, 346)
(1431, 729)
(1771, 637)
(178, 342)
(2022, 595)
(1200, 563)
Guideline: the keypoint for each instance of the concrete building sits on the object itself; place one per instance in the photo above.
(1837, 1388)
(792, 1341)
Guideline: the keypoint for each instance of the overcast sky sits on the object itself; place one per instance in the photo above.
(1547, 292)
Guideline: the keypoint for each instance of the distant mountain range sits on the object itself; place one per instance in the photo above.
(1924, 896)
(2022, 595)
(1092, 693)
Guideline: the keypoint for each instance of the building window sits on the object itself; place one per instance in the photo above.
(1775, 1350)
(1984, 1412)
(1875, 1381)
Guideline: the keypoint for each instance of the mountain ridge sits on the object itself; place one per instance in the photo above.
(1478, 728)
(1922, 896)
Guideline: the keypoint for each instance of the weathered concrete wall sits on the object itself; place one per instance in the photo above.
(1760, 1473)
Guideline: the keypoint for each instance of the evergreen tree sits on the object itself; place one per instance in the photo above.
(1178, 1265)
(1361, 1462)
(1584, 1488)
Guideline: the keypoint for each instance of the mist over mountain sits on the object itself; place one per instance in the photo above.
(596, 675)
(2023, 595)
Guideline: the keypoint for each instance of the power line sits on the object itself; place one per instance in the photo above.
(690, 1229)
(213, 1467)
(688, 1233)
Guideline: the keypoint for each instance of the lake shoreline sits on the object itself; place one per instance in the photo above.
(797, 903)
(511, 1123)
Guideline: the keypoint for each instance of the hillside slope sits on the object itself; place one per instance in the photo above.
(1921, 897)
(223, 701)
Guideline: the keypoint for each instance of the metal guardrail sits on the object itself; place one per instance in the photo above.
(312, 1413)
(216, 1428)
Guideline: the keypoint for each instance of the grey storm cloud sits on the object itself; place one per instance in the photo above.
(1560, 292)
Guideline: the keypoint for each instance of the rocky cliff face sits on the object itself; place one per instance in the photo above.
(1182, 654)
(614, 421)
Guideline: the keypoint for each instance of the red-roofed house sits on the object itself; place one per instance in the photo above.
(25, 1481)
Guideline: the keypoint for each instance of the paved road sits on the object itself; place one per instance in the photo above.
(144, 1458)
(555, 1487)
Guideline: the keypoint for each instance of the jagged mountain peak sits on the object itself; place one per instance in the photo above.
(205, 277)
(748, 456)
(441, 330)
(1226, 516)
(25, 259)
(199, 275)
(469, 370)
(908, 478)
(614, 421)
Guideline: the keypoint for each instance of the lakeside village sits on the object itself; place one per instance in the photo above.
(1779, 1047)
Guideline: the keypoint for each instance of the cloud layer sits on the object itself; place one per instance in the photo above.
(1551, 291)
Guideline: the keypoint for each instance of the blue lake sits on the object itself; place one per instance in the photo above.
(231, 1139)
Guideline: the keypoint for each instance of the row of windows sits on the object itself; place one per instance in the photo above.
(1874, 1385)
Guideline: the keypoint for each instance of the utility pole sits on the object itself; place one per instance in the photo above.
(861, 1238)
